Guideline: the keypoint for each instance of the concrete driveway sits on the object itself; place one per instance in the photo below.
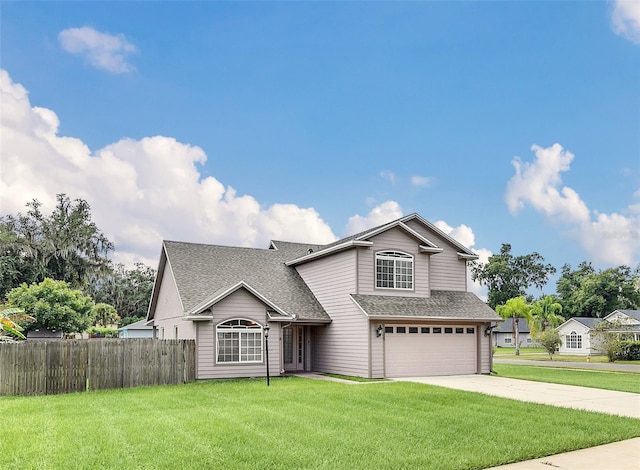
(568, 396)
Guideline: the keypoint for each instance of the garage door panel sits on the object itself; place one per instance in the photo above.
(423, 354)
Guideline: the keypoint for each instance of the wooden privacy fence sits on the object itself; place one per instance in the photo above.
(51, 367)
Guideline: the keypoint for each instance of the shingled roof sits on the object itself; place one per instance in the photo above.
(441, 305)
(205, 272)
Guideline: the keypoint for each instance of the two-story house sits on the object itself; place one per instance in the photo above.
(388, 302)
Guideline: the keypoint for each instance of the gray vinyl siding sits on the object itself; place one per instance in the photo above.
(376, 348)
(499, 339)
(147, 333)
(240, 304)
(168, 313)
(393, 240)
(342, 346)
(486, 350)
(447, 272)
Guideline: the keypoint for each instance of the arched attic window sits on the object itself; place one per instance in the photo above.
(238, 341)
(394, 270)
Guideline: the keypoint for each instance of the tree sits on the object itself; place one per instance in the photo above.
(584, 292)
(604, 341)
(105, 314)
(545, 314)
(128, 290)
(54, 305)
(549, 339)
(10, 319)
(515, 308)
(509, 276)
(65, 245)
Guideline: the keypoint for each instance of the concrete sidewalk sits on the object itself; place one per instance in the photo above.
(568, 396)
(615, 456)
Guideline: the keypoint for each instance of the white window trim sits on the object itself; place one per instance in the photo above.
(394, 256)
(574, 340)
(257, 329)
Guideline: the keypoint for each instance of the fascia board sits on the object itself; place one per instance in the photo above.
(417, 235)
(359, 306)
(162, 266)
(328, 251)
(430, 318)
(197, 318)
(430, 249)
(462, 248)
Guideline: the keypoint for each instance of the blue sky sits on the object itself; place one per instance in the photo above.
(239, 122)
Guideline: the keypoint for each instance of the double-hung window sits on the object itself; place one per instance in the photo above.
(394, 270)
(238, 341)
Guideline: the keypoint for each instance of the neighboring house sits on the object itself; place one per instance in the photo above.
(388, 302)
(139, 329)
(504, 334)
(44, 334)
(626, 322)
(577, 337)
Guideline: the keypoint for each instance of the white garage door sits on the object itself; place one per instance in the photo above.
(417, 350)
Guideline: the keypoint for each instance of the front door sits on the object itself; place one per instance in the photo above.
(293, 341)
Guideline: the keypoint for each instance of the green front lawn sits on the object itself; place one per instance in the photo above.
(294, 423)
(539, 354)
(609, 380)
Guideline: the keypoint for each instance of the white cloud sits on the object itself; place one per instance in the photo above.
(140, 191)
(538, 184)
(625, 19)
(389, 175)
(381, 214)
(103, 51)
(611, 239)
(421, 181)
(464, 234)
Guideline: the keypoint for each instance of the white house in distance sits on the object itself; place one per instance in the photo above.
(139, 329)
(391, 301)
(504, 334)
(576, 333)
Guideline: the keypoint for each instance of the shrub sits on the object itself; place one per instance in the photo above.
(628, 351)
(549, 339)
(102, 332)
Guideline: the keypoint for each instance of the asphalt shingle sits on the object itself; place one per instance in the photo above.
(441, 304)
(202, 270)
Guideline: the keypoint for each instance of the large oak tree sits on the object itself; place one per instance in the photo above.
(65, 245)
(508, 276)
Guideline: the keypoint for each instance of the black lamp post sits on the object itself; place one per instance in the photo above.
(266, 349)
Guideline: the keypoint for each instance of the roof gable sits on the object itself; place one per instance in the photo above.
(205, 274)
(364, 239)
(588, 322)
(631, 314)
